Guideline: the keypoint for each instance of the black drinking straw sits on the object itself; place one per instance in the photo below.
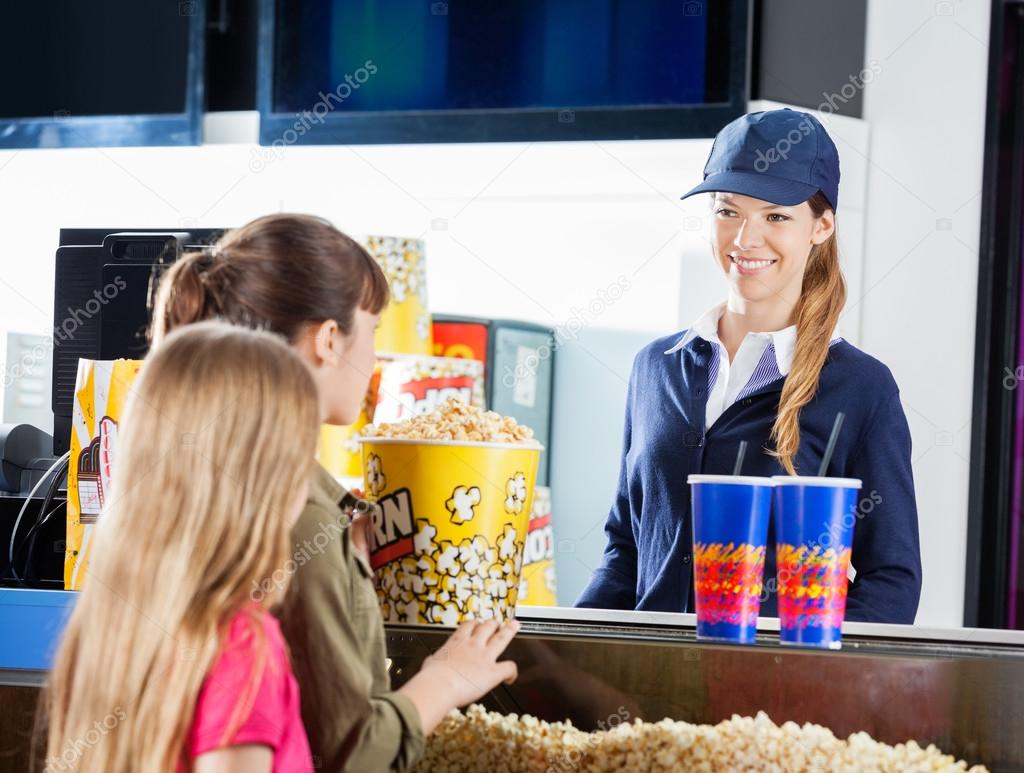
(739, 457)
(831, 444)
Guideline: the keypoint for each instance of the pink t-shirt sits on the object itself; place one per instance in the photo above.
(271, 717)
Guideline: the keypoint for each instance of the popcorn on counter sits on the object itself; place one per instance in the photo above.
(482, 740)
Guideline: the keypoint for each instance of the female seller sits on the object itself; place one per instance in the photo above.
(764, 366)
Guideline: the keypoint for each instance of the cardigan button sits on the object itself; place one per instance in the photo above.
(692, 439)
(686, 558)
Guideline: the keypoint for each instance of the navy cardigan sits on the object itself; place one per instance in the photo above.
(647, 562)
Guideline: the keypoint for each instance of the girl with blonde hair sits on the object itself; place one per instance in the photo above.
(167, 663)
(767, 367)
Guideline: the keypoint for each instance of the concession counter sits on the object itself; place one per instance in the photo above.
(960, 689)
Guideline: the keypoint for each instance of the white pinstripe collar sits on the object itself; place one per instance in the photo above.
(706, 327)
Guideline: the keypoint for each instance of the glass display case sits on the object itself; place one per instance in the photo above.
(958, 689)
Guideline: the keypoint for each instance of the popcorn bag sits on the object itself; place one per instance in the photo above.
(338, 447)
(101, 389)
(405, 323)
(402, 386)
(447, 540)
(413, 385)
(537, 586)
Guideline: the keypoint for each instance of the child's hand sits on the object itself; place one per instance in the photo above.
(468, 660)
(464, 670)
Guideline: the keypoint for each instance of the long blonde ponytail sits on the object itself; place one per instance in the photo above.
(216, 445)
(821, 301)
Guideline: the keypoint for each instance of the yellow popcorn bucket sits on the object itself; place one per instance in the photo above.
(101, 391)
(446, 542)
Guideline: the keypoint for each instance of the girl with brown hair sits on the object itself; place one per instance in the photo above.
(300, 277)
(764, 366)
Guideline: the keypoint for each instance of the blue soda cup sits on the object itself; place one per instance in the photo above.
(814, 520)
(730, 532)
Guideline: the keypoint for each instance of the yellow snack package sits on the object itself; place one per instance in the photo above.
(338, 449)
(405, 324)
(101, 389)
(537, 586)
(411, 385)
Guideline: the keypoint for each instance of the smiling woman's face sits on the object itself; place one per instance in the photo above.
(763, 247)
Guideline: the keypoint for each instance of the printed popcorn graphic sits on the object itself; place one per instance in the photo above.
(95, 463)
(515, 491)
(507, 544)
(423, 542)
(445, 582)
(375, 478)
(462, 502)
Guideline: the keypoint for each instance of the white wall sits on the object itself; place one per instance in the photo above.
(926, 109)
(519, 230)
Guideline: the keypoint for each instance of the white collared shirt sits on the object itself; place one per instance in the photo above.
(761, 359)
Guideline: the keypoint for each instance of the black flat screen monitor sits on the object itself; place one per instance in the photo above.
(103, 283)
(119, 72)
(382, 71)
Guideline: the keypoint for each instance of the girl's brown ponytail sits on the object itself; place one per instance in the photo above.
(278, 272)
(183, 295)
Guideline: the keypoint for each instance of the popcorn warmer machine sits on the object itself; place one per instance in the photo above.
(960, 689)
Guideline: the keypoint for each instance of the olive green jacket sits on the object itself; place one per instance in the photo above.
(332, 622)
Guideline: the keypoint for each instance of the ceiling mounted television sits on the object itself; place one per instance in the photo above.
(390, 71)
(121, 72)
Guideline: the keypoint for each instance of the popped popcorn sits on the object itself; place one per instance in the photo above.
(482, 740)
(455, 420)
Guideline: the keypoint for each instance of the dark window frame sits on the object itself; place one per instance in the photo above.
(989, 513)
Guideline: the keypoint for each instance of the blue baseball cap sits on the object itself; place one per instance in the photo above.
(782, 156)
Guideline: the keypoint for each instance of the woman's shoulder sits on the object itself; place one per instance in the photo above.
(854, 368)
(656, 350)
